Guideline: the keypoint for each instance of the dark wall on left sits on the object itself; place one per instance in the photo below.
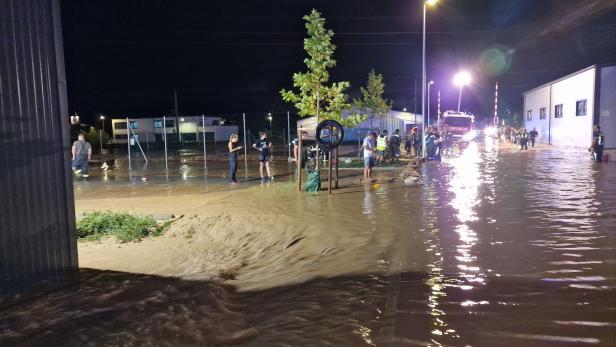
(37, 214)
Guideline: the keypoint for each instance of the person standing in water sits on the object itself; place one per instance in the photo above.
(597, 145)
(263, 145)
(369, 147)
(82, 154)
(233, 154)
(532, 136)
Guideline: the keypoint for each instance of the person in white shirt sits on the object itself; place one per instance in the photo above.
(369, 147)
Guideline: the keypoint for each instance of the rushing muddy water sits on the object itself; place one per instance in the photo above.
(495, 247)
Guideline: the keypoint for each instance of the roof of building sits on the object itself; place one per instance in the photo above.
(561, 79)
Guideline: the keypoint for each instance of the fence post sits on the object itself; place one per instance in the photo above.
(128, 142)
(165, 140)
(204, 145)
(289, 132)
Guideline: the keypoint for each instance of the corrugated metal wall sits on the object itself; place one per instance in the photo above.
(37, 215)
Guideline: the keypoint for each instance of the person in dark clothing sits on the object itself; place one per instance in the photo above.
(523, 139)
(532, 135)
(416, 141)
(263, 145)
(598, 143)
(233, 154)
(394, 146)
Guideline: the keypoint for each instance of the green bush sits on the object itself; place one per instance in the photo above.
(124, 226)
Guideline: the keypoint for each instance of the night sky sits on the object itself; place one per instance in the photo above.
(125, 58)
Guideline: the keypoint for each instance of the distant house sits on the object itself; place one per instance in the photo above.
(390, 122)
(564, 111)
(189, 129)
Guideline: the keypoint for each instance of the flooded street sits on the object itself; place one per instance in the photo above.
(495, 247)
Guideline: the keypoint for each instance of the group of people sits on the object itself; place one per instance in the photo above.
(262, 144)
(521, 136)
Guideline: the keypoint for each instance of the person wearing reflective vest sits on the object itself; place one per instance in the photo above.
(598, 143)
(381, 146)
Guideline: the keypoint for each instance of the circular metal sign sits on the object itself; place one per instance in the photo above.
(329, 134)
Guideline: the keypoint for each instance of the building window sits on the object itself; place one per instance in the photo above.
(119, 125)
(169, 123)
(542, 113)
(158, 124)
(134, 124)
(558, 111)
(215, 122)
(529, 115)
(121, 136)
(580, 108)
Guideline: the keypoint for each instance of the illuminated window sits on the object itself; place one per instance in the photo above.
(542, 113)
(558, 111)
(158, 124)
(134, 124)
(580, 108)
(529, 115)
(119, 125)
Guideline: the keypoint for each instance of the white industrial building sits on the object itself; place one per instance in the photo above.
(390, 122)
(564, 111)
(189, 129)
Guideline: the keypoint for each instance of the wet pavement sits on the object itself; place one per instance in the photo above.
(496, 247)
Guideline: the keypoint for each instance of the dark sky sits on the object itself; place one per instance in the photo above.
(226, 57)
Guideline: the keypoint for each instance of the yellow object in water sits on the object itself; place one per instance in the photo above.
(376, 186)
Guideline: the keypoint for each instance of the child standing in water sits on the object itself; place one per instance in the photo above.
(233, 150)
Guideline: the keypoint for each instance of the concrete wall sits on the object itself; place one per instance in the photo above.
(570, 130)
(607, 108)
(37, 213)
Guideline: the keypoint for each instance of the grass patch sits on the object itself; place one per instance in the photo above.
(124, 226)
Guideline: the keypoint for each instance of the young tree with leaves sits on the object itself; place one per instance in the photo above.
(315, 96)
(372, 104)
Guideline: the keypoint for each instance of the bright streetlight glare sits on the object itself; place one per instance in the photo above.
(102, 117)
(431, 2)
(431, 83)
(462, 78)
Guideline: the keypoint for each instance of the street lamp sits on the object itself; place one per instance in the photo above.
(429, 85)
(269, 118)
(102, 118)
(423, 76)
(404, 109)
(461, 79)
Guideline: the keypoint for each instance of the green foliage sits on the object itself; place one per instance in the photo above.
(93, 136)
(372, 104)
(315, 96)
(124, 226)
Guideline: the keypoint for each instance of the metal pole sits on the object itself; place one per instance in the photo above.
(100, 132)
(245, 149)
(128, 141)
(423, 85)
(165, 139)
(289, 132)
(429, 104)
(460, 97)
(204, 146)
(138, 143)
(329, 165)
(438, 107)
(298, 162)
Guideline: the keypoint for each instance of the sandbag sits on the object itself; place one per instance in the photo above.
(313, 182)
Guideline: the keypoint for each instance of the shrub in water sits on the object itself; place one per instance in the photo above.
(124, 226)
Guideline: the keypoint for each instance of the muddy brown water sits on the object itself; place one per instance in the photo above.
(496, 247)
